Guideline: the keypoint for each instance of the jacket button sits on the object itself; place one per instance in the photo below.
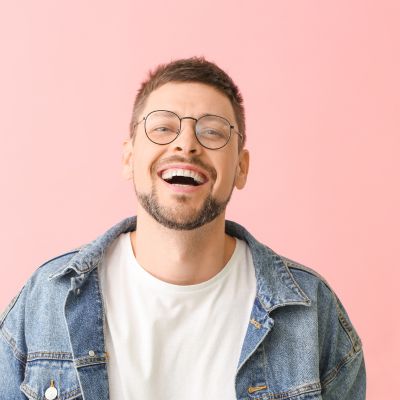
(51, 392)
(253, 389)
(91, 353)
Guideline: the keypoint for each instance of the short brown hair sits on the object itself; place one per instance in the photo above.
(194, 69)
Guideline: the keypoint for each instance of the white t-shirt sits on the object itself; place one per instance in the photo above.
(174, 342)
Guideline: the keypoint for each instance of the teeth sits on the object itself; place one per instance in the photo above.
(169, 173)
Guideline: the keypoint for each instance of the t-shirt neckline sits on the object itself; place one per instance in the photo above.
(149, 279)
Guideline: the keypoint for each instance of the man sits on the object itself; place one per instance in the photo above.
(178, 303)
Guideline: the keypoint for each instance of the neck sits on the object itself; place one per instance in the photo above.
(181, 257)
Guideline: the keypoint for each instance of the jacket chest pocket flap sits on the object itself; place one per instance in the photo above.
(44, 373)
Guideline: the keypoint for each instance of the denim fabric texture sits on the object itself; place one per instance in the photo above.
(299, 345)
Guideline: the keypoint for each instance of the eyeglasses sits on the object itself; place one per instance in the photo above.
(212, 131)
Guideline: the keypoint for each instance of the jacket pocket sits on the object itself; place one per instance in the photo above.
(40, 374)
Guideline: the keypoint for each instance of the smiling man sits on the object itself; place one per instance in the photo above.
(177, 302)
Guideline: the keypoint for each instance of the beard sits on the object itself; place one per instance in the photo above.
(182, 217)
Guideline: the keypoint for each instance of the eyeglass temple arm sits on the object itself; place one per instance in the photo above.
(240, 135)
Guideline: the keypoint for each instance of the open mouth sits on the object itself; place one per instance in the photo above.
(182, 180)
(183, 177)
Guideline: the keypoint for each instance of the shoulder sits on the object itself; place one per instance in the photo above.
(314, 285)
(40, 297)
(340, 347)
(306, 276)
(56, 262)
(325, 300)
(38, 284)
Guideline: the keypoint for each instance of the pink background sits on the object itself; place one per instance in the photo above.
(321, 86)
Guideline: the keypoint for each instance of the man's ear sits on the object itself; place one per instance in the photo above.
(127, 159)
(242, 169)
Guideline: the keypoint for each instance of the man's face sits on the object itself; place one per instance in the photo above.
(173, 204)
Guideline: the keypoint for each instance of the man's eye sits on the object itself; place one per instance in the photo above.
(211, 133)
(163, 129)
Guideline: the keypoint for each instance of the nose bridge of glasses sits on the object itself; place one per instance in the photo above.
(187, 139)
(191, 125)
(191, 118)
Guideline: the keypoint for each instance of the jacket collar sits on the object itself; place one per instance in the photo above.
(276, 285)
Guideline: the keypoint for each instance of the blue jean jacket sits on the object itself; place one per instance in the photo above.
(299, 344)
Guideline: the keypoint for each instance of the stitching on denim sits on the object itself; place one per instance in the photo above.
(295, 265)
(29, 391)
(46, 355)
(87, 361)
(93, 265)
(79, 269)
(355, 342)
(309, 388)
(296, 285)
(348, 328)
(4, 314)
(64, 268)
(71, 394)
(100, 301)
(334, 372)
(103, 305)
(21, 357)
(76, 250)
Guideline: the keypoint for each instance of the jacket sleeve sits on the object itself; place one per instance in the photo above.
(342, 364)
(12, 359)
(349, 383)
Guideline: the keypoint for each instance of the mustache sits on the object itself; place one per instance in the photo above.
(192, 160)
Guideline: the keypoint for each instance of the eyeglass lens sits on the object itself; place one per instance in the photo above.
(162, 127)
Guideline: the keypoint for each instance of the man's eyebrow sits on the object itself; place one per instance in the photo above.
(214, 115)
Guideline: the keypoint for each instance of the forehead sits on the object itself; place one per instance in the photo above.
(189, 99)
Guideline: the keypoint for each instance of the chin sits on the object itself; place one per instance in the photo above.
(175, 219)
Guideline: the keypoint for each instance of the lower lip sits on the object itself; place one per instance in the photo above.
(183, 188)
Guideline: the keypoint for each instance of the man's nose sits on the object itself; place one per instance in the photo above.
(187, 141)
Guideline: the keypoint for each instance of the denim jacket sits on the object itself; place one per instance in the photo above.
(299, 344)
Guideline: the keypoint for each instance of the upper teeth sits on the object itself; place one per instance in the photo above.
(169, 173)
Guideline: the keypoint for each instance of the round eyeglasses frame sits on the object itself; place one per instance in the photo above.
(232, 128)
